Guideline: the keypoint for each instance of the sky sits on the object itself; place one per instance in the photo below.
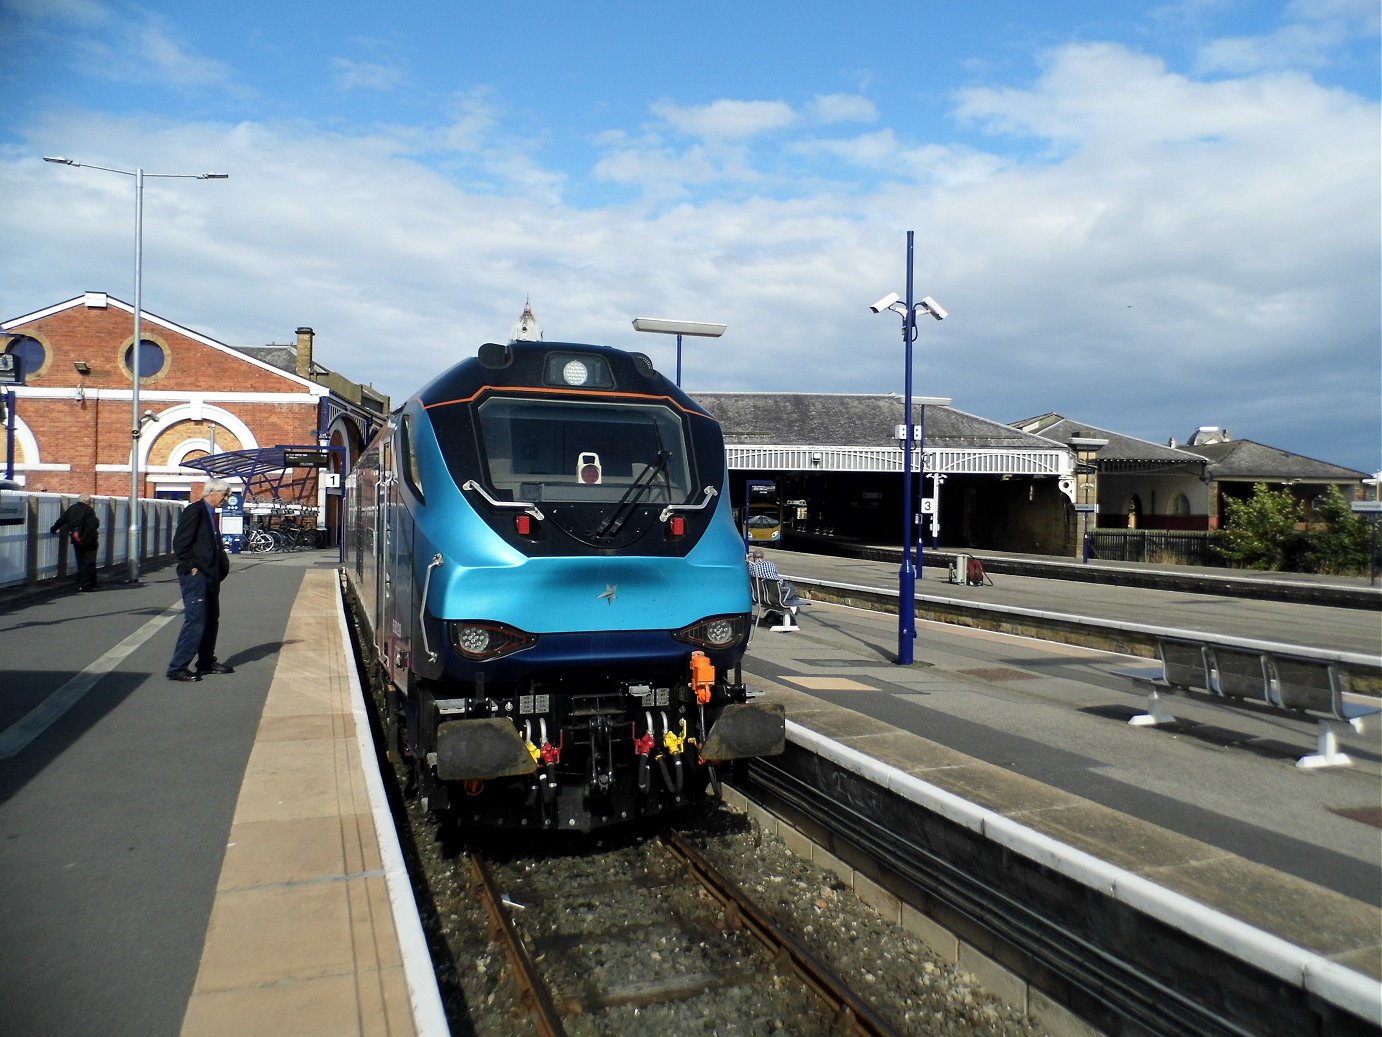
(1149, 218)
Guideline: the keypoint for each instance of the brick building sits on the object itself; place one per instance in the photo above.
(73, 413)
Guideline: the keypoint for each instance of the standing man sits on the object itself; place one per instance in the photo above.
(202, 565)
(83, 529)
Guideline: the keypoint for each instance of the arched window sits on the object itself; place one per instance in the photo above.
(31, 352)
(1180, 505)
(152, 359)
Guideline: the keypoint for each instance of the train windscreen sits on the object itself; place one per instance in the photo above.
(554, 450)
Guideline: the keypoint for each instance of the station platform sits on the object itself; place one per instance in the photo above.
(199, 859)
(217, 857)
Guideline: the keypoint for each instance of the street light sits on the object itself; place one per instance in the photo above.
(136, 421)
(678, 328)
(906, 581)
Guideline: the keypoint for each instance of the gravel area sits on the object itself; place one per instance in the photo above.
(904, 981)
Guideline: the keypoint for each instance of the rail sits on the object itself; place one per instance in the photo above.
(1070, 628)
(30, 556)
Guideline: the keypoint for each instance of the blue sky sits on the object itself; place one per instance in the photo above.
(1147, 220)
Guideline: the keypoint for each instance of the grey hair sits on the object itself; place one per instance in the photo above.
(215, 486)
(86, 498)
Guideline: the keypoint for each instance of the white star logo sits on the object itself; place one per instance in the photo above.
(611, 592)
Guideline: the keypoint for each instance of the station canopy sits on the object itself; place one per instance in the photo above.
(276, 475)
(841, 432)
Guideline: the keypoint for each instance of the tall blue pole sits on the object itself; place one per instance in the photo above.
(906, 581)
(10, 419)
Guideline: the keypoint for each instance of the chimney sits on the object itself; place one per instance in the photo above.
(304, 365)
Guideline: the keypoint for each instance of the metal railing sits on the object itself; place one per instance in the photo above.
(1164, 546)
(30, 554)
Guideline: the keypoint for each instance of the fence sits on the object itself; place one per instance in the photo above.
(1165, 546)
(29, 554)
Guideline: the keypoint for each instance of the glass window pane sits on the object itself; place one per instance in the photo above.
(151, 359)
(31, 353)
(543, 450)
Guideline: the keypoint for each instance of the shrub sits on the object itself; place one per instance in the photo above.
(1261, 531)
(1339, 542)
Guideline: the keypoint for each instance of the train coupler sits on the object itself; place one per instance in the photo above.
(747, 729)
(477, 749)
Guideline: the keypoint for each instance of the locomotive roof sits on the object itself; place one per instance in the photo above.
(520, 364)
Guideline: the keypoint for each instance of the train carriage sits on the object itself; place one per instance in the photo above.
(541, 545)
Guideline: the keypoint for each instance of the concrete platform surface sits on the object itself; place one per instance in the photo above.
(1214, 808)
(210, 858)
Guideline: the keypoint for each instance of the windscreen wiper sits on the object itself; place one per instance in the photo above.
(623, 508)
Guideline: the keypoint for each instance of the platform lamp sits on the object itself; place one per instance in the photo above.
(136, 419)
(906, 580)
(678, 328)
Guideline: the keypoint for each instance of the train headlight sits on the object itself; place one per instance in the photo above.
(479, 640)
(713, 632)
(577, 371)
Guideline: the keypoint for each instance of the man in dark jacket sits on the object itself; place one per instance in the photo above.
(202, 565)
(81, 526)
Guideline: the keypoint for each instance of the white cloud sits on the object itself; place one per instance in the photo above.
(364, 75)
(831, 108)
(162, 57)
(726, 120)
(1156, 253)
(473, 118)
(1311, 40)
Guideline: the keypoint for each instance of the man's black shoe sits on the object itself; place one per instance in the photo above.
(215, 668)
(183, 675)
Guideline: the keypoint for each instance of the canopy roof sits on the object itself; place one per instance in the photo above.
(282, 472)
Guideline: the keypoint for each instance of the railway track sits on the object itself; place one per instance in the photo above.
(688, 955)
(685, 954)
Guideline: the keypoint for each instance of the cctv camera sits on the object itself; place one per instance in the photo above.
(883, 303)
(150, 416)
(934, 308)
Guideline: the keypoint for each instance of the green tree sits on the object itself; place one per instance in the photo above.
(1261, 530)
(1338, 543)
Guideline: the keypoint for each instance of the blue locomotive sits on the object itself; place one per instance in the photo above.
(541, 546)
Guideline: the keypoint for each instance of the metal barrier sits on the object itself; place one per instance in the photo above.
(1167, 546)
(31, 555)
(1275, 679)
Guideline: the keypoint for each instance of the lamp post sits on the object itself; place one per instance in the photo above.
(678, 328)
(136, 420)
(906, 580)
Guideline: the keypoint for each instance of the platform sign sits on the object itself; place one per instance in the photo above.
(304, 458)
(1366, 507)
(1086, 509)
(233, 521)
